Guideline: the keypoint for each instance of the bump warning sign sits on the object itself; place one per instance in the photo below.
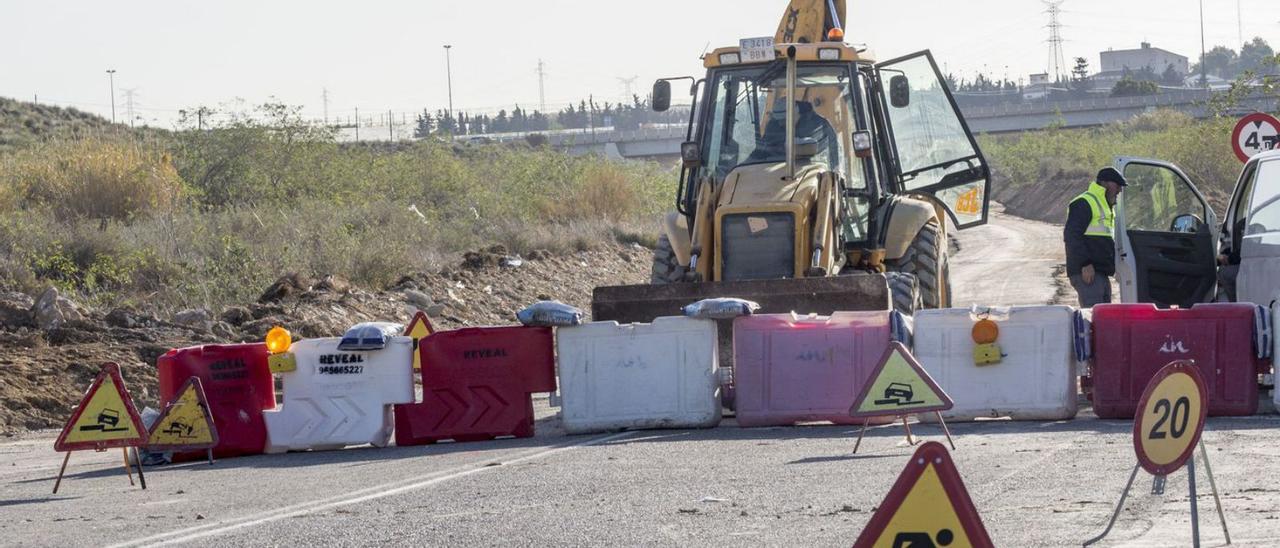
(186, 423)
(928, 506)
(105, 417)
(899, 386)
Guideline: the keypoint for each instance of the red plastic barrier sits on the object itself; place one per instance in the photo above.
(1131, 342)
(789, 369)
(237, 385)
(476, 385)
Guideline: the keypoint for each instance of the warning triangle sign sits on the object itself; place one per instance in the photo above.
(105, 417)
(927, 507)
(899, 386)
(186, 424)
(419, 328)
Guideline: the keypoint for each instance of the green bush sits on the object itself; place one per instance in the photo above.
(1200, 147)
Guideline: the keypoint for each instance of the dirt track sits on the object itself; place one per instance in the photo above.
(1009, 261)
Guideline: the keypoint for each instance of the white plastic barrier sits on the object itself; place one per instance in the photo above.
(636, 376)
(335, 399)
(1036, 376)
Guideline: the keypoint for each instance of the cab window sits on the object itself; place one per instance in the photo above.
(746, 122)
(1155, 197)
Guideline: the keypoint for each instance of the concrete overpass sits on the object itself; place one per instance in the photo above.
(664, 140)
(1016, 117)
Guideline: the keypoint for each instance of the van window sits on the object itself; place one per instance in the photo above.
(1264, 212)
(1157, 195)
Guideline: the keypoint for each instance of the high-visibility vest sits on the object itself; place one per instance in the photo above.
(1103, 221)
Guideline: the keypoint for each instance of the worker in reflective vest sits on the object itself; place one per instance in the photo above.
(1089, 236)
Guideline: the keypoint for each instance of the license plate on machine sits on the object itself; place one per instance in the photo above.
(756, 49)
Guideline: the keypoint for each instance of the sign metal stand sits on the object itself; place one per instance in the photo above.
(1164, 447)
(907, 389)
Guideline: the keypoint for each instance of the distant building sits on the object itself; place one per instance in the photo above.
(1037, 87)
(1115, 63)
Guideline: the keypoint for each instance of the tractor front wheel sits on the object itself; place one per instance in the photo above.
(927, 260)
(666, 269)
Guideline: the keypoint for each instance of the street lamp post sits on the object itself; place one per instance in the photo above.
(1204, 76)
(448, 67)
(111, 77)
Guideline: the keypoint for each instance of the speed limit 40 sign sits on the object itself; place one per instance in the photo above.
(1255, 134)
(1170, 418)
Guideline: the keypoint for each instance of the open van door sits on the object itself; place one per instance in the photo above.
(934, 152)
(1166, 236)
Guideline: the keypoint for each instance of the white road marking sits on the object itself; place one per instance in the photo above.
(363, 495)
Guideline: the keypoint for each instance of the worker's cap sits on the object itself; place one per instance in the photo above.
(1111, 175)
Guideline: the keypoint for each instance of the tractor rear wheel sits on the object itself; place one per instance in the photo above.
(904, 289)
(927, 259)
(666, 269)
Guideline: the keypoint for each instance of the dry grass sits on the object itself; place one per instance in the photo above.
(248, 203)
(100, 179)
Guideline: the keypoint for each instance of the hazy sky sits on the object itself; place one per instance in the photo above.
(382, 55)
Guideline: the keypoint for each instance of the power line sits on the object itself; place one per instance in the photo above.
(129, 95)
(628, 85)
(1056, 58)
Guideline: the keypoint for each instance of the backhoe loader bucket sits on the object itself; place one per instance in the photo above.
(643, 303)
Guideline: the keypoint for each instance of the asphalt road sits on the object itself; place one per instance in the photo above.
(1035, 484)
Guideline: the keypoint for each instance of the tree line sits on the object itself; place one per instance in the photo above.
(1254, 60)
(587, 114)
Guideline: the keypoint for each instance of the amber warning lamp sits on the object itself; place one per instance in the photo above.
(836, 34)
(278, 342)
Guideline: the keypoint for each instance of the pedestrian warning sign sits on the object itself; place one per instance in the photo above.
(186, 423)
(418, 329)
(105, 417)
(899, 386)
(927, 507)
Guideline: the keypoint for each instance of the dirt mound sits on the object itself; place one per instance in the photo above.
(43, 372)
(1044, 200)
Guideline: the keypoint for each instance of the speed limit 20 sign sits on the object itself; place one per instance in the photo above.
(1255, 134)
(1170, 418)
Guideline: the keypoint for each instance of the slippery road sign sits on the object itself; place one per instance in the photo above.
(1255, 134)
(185, 424)
(1170, 418)
(899, 386)
(105, 417)
(927, 507)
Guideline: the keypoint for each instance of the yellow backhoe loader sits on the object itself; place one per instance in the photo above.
(814, 179)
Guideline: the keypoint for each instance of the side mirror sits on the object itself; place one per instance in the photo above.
(1186, 224)
(661, 96)
(899, 91)
(691, 154)
(862, 144)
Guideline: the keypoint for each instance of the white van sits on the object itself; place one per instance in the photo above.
(1168, 239)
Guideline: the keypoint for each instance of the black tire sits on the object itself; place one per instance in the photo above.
(666, 269)
(905, 292)
(929, 262)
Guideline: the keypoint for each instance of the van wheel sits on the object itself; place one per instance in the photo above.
(904, 289)
(928, 260)
(666, 269)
